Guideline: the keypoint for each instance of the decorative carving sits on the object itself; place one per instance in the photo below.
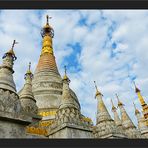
(8, 61)
(47, 85)
(9, 102)
(46, 123)
(48, 113)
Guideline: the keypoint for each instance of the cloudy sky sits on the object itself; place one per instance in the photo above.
(108, 46)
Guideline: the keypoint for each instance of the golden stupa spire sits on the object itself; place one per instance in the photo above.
(11, 51)
(97, 91)
(142, 102)
(119, 102)
(136, 110)
(141, 99)
(47, 59)
(48, 17)
(136, 88)
(47, 34)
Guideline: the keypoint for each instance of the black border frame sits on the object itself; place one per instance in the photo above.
(74, 143)
(73, 4)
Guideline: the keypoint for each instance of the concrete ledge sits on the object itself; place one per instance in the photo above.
(16, 118)
(68, 125)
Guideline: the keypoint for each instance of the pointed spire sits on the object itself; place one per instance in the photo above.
(47, 59)
(119, 102)
(141, 99)
(29, 73)
(116, 116)
(97, 91)
(136, 88)
(113, 107)
(128, 125)
(136, 110)
(67, 99)
(142, 124)
(143, 103)
(11, 51)
(102, 112)
(29, 67)
(47, 17)
(47, 29)
(105, 122)
(65, 75)
(6, 70)
(26, 95)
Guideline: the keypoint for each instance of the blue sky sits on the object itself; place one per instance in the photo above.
(108, 46)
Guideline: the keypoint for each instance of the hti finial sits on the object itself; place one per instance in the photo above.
(113, 107)
(95, 85)
(14, 42)
(119, 102)
(136, 88)
(65, 76)
(48, 18)
(136, 110)
(29, 66)
(97, 92)
(65, 69)
(29, 71)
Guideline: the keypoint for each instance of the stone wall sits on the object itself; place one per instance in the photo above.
(11, 130)
(71, 132)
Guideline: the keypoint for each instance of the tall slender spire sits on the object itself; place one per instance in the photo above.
(67, 99)
(65, 75)
(119, 102)
(26, 95)
(113, 107)
(104, 120)
(116, 117)
(124, 115)
(47, 33)
(102, 112)
(128, 125)
(136, 110)
(47, 60)
(142, 102)
(136, 88)
(6, 70)
(141, 123)
(97, 91)
(117, 120)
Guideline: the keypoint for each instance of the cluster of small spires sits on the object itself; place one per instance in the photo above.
(119, 102)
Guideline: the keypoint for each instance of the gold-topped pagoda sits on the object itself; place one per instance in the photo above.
(143, 103)
(47, 58)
